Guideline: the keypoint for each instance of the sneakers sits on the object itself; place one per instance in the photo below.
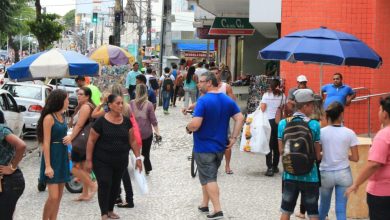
(166, 112)
(203, 209)
(275, 169)
(217, 215)
(269, 172)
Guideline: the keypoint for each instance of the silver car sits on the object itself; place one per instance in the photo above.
(33, 98)
(12, 112)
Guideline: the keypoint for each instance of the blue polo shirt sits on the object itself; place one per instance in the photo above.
(336, 94)
(315, 128)
(216, 110)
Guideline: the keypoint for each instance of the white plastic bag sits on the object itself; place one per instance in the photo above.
(139, 177)
(256, 133)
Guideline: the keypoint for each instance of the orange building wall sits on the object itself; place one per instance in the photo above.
(368, 20)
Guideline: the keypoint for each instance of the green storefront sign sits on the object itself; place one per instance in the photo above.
(231, 26)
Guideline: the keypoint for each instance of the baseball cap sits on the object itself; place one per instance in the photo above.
(301, 78)
(304, 95)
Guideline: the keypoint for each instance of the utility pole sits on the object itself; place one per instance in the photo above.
(96, 36)
(166, 34)
(117, 23)
(140, 30)
(101, 34)
(149, 25)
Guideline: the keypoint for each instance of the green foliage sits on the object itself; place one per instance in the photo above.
(69, 19)
(46, 29)
(13, 16)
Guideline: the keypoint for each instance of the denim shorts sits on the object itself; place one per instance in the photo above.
(309, 193)
(208, 164)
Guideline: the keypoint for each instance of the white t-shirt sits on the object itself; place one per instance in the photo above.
(163, 77)
(273, 102)
(336, 142)
(200, 71)
(148, 76)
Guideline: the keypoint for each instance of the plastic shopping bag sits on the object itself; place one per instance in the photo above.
(139, 177)
(256, 133)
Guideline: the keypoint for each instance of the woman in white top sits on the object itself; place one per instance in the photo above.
(269, 104)
(337, 141)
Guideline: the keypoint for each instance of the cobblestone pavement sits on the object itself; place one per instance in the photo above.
(247, 194)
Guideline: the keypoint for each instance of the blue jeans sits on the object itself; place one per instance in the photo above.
(166, 96)
(340, 180)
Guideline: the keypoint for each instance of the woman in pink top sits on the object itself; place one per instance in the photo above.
(377, 169)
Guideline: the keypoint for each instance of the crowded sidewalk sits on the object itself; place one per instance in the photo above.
(173, 193)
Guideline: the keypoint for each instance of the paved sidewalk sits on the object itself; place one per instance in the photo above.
(247, 194)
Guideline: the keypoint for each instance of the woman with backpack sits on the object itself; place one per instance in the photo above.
(339, 146)
(80, 119)
(190, 88)
(271, 101)
(11, 153)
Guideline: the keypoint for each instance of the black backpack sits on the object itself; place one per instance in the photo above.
(153, 83)
(167, 83)
(299, 153)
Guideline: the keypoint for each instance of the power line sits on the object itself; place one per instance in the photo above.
(85, 3)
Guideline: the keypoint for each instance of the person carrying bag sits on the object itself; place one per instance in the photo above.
(11, 177)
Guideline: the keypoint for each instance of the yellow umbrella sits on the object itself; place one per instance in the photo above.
(112, 55)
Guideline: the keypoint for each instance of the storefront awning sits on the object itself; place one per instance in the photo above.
(194, 47)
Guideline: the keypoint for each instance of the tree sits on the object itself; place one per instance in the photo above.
(46, 28)
(69, 19)
(13, 16)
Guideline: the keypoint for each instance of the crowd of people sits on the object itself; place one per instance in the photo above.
(314, 146)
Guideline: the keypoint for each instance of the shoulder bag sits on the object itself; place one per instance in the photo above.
(79, 143)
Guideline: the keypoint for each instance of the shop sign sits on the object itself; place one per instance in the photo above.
(197, 54)
(231, 26)
(203, 33)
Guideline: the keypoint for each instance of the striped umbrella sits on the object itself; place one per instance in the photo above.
(111, 55)
(54, 63)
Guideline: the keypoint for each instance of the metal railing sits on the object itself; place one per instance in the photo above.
(368, 98)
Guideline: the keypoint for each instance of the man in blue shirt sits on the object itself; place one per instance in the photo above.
(337, 92)
(131, 81)
(307, 184)
(210, 126)
(141, 79)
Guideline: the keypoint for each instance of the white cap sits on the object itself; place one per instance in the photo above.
(301, 78)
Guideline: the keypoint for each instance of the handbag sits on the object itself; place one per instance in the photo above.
(79, 143)
(280, 114)
(137, 132)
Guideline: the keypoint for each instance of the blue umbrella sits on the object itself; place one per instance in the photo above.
(54, 63)
(322, 46)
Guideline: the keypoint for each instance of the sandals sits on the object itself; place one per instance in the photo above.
(300, 215)
(113, 216)
(229, 172)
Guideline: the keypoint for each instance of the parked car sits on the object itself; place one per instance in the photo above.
(69, 85)
(12, 112)
(33, 98)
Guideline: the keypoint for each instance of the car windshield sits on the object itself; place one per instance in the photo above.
(68, 82)
(30, 92)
